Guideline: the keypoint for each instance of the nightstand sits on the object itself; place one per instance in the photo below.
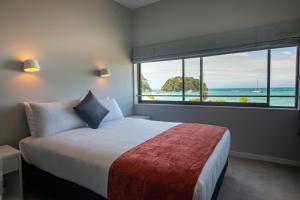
(140, 117)
(10, 165)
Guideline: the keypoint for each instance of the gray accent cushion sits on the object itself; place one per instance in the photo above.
(91, 111)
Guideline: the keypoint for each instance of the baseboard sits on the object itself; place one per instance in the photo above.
(265, 158)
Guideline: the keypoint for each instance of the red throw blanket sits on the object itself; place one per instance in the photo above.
(166, 166)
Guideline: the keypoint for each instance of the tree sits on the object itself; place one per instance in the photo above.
(244, 100)
(145, 85)
(204, 91)
(175, 85)
(172, 85)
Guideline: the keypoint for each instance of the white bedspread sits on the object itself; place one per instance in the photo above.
(84, 155)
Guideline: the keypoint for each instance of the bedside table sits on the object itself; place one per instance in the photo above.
(11, 177)
(140, 117)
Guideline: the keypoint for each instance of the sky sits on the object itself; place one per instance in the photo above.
(238, 70)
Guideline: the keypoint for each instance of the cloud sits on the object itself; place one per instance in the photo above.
(287, 53)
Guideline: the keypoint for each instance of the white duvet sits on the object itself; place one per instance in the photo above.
(84, 155)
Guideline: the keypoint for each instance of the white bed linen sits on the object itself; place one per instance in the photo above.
(84, 155)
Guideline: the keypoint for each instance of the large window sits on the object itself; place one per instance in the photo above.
(255, 78)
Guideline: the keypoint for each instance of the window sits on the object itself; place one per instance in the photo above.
(192, 78)
(237, 78)
(162, 81)
(283, 77)
(266, 78)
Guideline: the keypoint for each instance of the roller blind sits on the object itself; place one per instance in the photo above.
(268, 36)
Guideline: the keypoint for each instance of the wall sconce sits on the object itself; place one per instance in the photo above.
(105, 72)
(31, 66)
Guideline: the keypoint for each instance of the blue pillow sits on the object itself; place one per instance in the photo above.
(91, 111)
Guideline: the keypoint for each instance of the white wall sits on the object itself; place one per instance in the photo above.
(267, 132)
(70, 39)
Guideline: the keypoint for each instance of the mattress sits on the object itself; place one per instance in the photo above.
(84, 155)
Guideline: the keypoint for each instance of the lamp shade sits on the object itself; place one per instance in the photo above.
(31, 66)
(105, 72)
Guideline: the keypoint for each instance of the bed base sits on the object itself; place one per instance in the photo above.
(42, 183)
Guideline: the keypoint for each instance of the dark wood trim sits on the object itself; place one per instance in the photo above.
(183, 80)
(262, 105)
(297, 77)
(139, 82)
(269, 77)
(201, 79)
(265, 96)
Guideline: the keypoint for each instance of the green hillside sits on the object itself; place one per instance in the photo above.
(145, 85)
(175, 85)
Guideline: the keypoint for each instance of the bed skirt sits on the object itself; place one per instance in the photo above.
(39, 182)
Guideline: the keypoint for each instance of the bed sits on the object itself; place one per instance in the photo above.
(83, 156)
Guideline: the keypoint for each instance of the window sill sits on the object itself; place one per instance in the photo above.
(221, 107)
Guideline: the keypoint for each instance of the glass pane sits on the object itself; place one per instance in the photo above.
(162, 80)
(192, 79)
(161, 98)
(238, 75)
(283, 75)
(237, 99)
(283, 101)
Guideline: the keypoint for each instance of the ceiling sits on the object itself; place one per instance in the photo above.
(133, 4)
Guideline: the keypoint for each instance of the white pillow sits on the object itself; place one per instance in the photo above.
(115, 112)
(45, 119)
(30, 119)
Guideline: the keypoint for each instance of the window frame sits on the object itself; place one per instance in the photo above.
(230, 104)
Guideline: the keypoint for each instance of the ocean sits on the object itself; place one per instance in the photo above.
(241, 92)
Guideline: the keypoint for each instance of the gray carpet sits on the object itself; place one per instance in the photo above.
(248, 179)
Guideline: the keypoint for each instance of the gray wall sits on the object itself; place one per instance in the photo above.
(260, 131)
(69, 38)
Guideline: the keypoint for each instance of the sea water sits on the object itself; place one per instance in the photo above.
(240, 92)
